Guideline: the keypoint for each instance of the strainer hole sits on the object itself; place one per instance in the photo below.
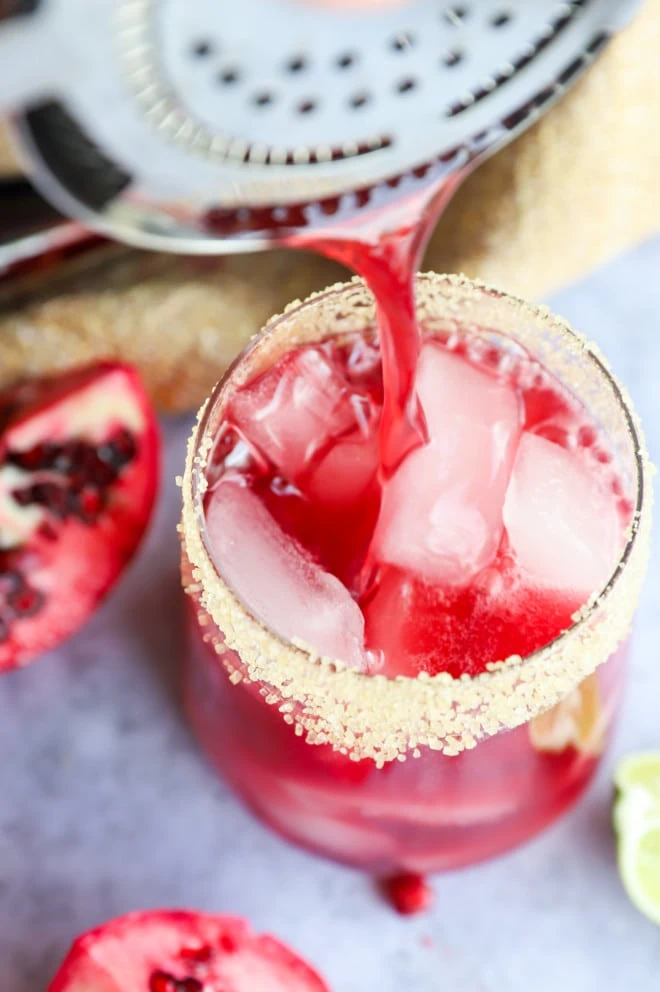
(360, 99)
(402, 42)
(455, 14)
(201, 48)
(263, 98)
(406, 85)
(346, 60)
(229, 76)
(501, 19)
(297, 63)
(453, 57)
(306, 106)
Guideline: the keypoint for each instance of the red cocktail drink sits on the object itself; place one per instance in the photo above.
(419, 667)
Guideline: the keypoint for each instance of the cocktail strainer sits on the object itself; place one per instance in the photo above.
(204, 126)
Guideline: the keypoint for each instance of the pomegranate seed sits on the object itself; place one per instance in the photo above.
(197, 955)
(190, 985)
(23, 496)
(47, 531)
(75, 456)
(162, 981)
(25, 602)
(52, 497)
(64, 460)
(408, 892)
(87, 503)
(47, 494)
(102, 474)
(123, 448)
(41, 456)
(228, 944)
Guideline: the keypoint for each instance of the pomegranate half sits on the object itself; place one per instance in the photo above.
(179, 951)
(79, 463)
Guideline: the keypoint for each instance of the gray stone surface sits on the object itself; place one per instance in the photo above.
(106, 805)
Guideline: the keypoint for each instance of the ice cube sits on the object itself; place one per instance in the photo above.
(277, 580)
(441, 513)
(562, 522)
(296, 408)
(346, 473)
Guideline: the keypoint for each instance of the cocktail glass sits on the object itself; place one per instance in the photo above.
(426, 773)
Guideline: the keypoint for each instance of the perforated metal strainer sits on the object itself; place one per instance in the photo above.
(150, 118)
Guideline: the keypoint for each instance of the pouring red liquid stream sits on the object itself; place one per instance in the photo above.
(386, 249)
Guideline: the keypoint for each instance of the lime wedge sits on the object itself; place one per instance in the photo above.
(637, 823)
(643, 770)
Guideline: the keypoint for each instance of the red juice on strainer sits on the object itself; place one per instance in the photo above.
(408, 669)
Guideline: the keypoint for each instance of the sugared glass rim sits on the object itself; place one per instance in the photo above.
(382, 718)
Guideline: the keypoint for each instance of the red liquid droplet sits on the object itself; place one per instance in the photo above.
(408, 893)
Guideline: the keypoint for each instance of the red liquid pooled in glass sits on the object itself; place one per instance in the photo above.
(315, 469)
